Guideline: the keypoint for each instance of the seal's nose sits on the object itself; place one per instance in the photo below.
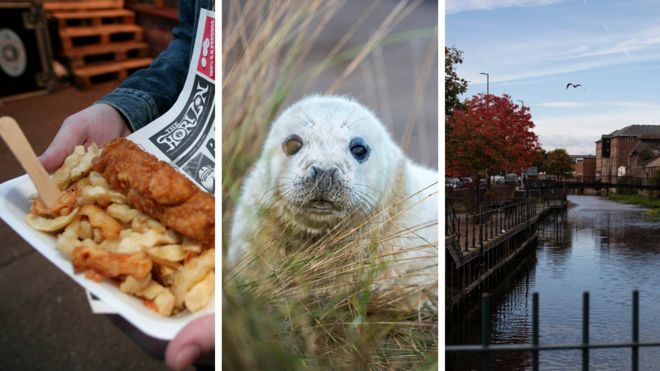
(324, 177)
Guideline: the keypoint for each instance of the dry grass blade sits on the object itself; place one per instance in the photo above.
(431, 57)
(298, 316)
(402, 10)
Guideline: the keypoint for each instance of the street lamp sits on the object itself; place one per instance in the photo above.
(522, 102)
(487, 82)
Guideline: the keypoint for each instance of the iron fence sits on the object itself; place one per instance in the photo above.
(474, 230)
(485, 348)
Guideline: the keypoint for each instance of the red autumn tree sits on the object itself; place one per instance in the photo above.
(491, 134)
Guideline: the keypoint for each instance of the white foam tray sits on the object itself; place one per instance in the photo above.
(14, 205)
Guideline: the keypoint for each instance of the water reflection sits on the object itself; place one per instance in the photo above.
(599, 246)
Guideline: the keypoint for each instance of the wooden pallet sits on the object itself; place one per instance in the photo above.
(84, 77)
(118, 51)
(155, 3)
(53, 6)
(99, 35)
(94, 17)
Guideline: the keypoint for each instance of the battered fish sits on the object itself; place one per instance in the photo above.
(157, 189)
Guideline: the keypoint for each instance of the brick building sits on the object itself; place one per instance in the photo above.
(627, 151)
(652, 167)
(584, 167)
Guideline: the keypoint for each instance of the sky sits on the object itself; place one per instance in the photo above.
(533, 48)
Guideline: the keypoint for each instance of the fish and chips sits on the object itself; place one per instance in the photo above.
(126, 217)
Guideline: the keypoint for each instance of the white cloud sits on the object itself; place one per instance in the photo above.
(560, 52)
(610, 104)
(457, 6)
(561, 104)
(583, 145)
(578, 133)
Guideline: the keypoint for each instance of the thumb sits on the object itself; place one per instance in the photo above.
(196, 339)
(62, 145)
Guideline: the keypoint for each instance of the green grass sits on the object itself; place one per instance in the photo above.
(653, 204)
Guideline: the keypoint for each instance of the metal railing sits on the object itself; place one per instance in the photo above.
(485, 348)
(474, 230)
(451, 220)
(489, 224)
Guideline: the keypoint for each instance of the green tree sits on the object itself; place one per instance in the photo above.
(541, 159)
(454, 85)
(558, 163)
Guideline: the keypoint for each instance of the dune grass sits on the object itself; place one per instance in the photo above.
(299, 315)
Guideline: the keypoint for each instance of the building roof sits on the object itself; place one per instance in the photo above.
(642, 131)
(654, 163)
(652, 146)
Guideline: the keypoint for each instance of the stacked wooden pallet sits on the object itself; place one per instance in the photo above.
(100, 39)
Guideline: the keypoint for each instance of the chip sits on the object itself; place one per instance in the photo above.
(50, 225)
(132, 285)
(191, 274)
(123, 213)
(136, 241)
(77, 165)
(201, 294)
(143, 223)
(151, 291)
(109, 227)
(67, 241)
(111, 265)
(106, 238)
(102, 196)
(164, 302)
(65, 204)
(171, 253)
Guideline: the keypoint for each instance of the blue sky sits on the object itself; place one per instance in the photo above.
(533, 48)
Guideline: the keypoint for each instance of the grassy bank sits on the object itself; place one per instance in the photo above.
(653, 204)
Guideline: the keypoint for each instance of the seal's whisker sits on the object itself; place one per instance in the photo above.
(276, 187)
(363, 198)
(371, 188)
(364, 194)
(347, 118)
(306, 123)
(352, 124)
(306, 115)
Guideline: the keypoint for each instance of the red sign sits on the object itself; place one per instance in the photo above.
(206, 63)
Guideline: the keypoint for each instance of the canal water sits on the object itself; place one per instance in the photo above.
(600, 246)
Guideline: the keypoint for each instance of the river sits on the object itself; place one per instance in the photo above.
(600, 246)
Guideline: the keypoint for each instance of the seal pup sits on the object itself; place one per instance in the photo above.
(331, 178)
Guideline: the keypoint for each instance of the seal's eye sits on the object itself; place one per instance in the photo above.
(359, 149)
(292, 144)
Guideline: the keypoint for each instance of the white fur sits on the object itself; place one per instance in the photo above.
(326, 126)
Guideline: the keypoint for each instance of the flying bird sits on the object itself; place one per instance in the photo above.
(572, 85)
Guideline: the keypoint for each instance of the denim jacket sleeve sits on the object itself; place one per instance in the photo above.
(150, 92)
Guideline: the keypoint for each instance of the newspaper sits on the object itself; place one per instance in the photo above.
(184, 135)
